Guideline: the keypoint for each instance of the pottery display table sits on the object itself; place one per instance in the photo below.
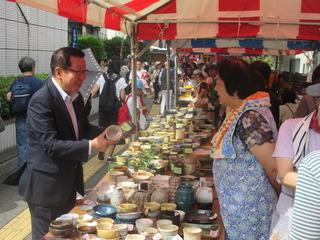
(107, 178)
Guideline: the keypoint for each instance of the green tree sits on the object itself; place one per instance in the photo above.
(117, 46)
(121, 47)
(96, 45)
(267, 59)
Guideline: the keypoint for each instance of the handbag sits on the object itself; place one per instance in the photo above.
(2, 125)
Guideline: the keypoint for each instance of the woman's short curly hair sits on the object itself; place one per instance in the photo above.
(239, 78)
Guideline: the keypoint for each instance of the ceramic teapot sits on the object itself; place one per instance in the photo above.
(204, 195)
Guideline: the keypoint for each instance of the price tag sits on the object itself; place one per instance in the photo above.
(188, 150)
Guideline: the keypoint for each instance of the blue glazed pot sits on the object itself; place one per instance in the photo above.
(185, 197)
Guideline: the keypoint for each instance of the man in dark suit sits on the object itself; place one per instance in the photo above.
(58, 142)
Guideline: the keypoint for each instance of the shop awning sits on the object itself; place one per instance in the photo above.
(189, 19)
(238, 51)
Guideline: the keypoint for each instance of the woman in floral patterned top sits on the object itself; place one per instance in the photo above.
(243, 169)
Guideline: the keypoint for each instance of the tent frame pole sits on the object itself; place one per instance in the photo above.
(168, 102)
(146, 48)
(176, 84)
(133, 42)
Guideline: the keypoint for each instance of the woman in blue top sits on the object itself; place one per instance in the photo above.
(243, 169)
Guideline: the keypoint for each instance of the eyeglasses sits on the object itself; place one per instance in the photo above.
(77, 72)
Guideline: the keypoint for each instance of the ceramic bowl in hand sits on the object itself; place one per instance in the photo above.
(113, 133)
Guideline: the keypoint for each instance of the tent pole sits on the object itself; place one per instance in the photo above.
(168, 102)
(134, 74)
(176, 87)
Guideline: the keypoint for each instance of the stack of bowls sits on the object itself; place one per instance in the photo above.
(123, 230)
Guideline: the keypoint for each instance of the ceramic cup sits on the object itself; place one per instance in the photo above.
(192, 233)
(163, 222)
(149, 232)
(168, 230)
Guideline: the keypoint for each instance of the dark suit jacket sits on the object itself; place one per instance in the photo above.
(54, 171)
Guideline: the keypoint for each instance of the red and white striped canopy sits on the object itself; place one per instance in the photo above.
(239, 51)
(185, 19)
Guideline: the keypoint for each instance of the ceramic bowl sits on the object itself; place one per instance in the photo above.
(61, 224)
(163, 222)
(69, 216)
(141, 176)
(113, 133)
(60, 232)
(123, 230)
(135, 237)
(149, 232)
(151, 206)
(143, 223)
(114, 174)
(168, 230)
(87, 227)
(120, 168)
(127, 208)
(105, 220)
(168, 206)
(104, 210)
(128, 217)
(84, 218)
(192, 233)
(107, 233)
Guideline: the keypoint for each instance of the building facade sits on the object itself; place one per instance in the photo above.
(26, 31)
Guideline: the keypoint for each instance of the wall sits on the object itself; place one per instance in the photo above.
(36, 35)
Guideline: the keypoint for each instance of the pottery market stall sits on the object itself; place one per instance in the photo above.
(158, 188)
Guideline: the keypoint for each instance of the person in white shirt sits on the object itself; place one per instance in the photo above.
(141, 109)
(140, 70)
